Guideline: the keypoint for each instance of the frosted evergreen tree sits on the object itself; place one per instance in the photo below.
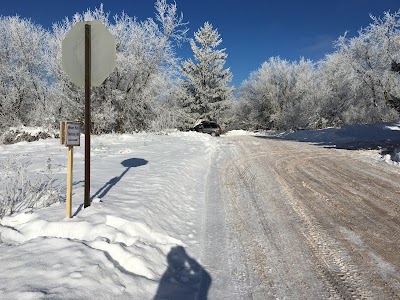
(206, 94)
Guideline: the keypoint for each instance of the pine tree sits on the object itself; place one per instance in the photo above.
(206, 94)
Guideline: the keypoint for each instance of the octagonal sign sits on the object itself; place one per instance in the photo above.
(103, 53)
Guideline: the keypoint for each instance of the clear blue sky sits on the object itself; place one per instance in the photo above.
(252, 30)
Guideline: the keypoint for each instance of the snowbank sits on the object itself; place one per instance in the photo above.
(383, 137)
(148, 196)
(352, 136)
(239, 132)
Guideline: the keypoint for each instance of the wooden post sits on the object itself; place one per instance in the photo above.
(86, 201)
(63, 134)
(69, 180)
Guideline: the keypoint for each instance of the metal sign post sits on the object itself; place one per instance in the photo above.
(86, 69)
(88, 49)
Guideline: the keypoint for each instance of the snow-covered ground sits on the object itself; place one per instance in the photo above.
(380, 140)
(359, 133)
(148, 198)
(147, 212)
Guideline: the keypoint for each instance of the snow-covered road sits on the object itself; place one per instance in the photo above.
(303, 222)
(188, 216)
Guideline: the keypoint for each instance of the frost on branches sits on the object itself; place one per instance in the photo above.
(24, 97)
(358, 83)
(36, 92)
(131, 97)
(205, 91)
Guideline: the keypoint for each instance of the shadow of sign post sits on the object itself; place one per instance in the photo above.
(128, 164)
(185, 279)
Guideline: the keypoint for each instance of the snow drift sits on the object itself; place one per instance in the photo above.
(148, 194)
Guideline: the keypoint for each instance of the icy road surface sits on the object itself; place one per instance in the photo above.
(290, 220)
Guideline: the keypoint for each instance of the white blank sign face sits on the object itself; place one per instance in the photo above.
(103, 53)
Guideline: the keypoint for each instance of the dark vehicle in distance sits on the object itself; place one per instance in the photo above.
(209, 127)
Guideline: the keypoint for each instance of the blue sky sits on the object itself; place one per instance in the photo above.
(252, 30)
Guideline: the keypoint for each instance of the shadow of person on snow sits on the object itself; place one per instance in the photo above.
(184, 279)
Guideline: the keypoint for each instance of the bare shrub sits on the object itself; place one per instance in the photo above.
(16, 136)
(21, 190)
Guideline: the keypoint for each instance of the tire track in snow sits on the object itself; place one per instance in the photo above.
(248, 274)
(348, 270)
(344, 267)
(263, 247)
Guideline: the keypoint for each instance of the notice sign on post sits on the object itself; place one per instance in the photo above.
(73, 137)
(70, 134)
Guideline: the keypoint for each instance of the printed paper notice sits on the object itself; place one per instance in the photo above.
(73, 136)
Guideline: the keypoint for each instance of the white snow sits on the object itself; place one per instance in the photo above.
(148, 197)
(379, 140)
(367, 135)
(239, 132)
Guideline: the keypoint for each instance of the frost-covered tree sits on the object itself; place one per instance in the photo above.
(302, 107)
(24, 75)
(337, 92)
(146, 65)
(358, 83)
(368, 58)
(206, 94)
(270, 93)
